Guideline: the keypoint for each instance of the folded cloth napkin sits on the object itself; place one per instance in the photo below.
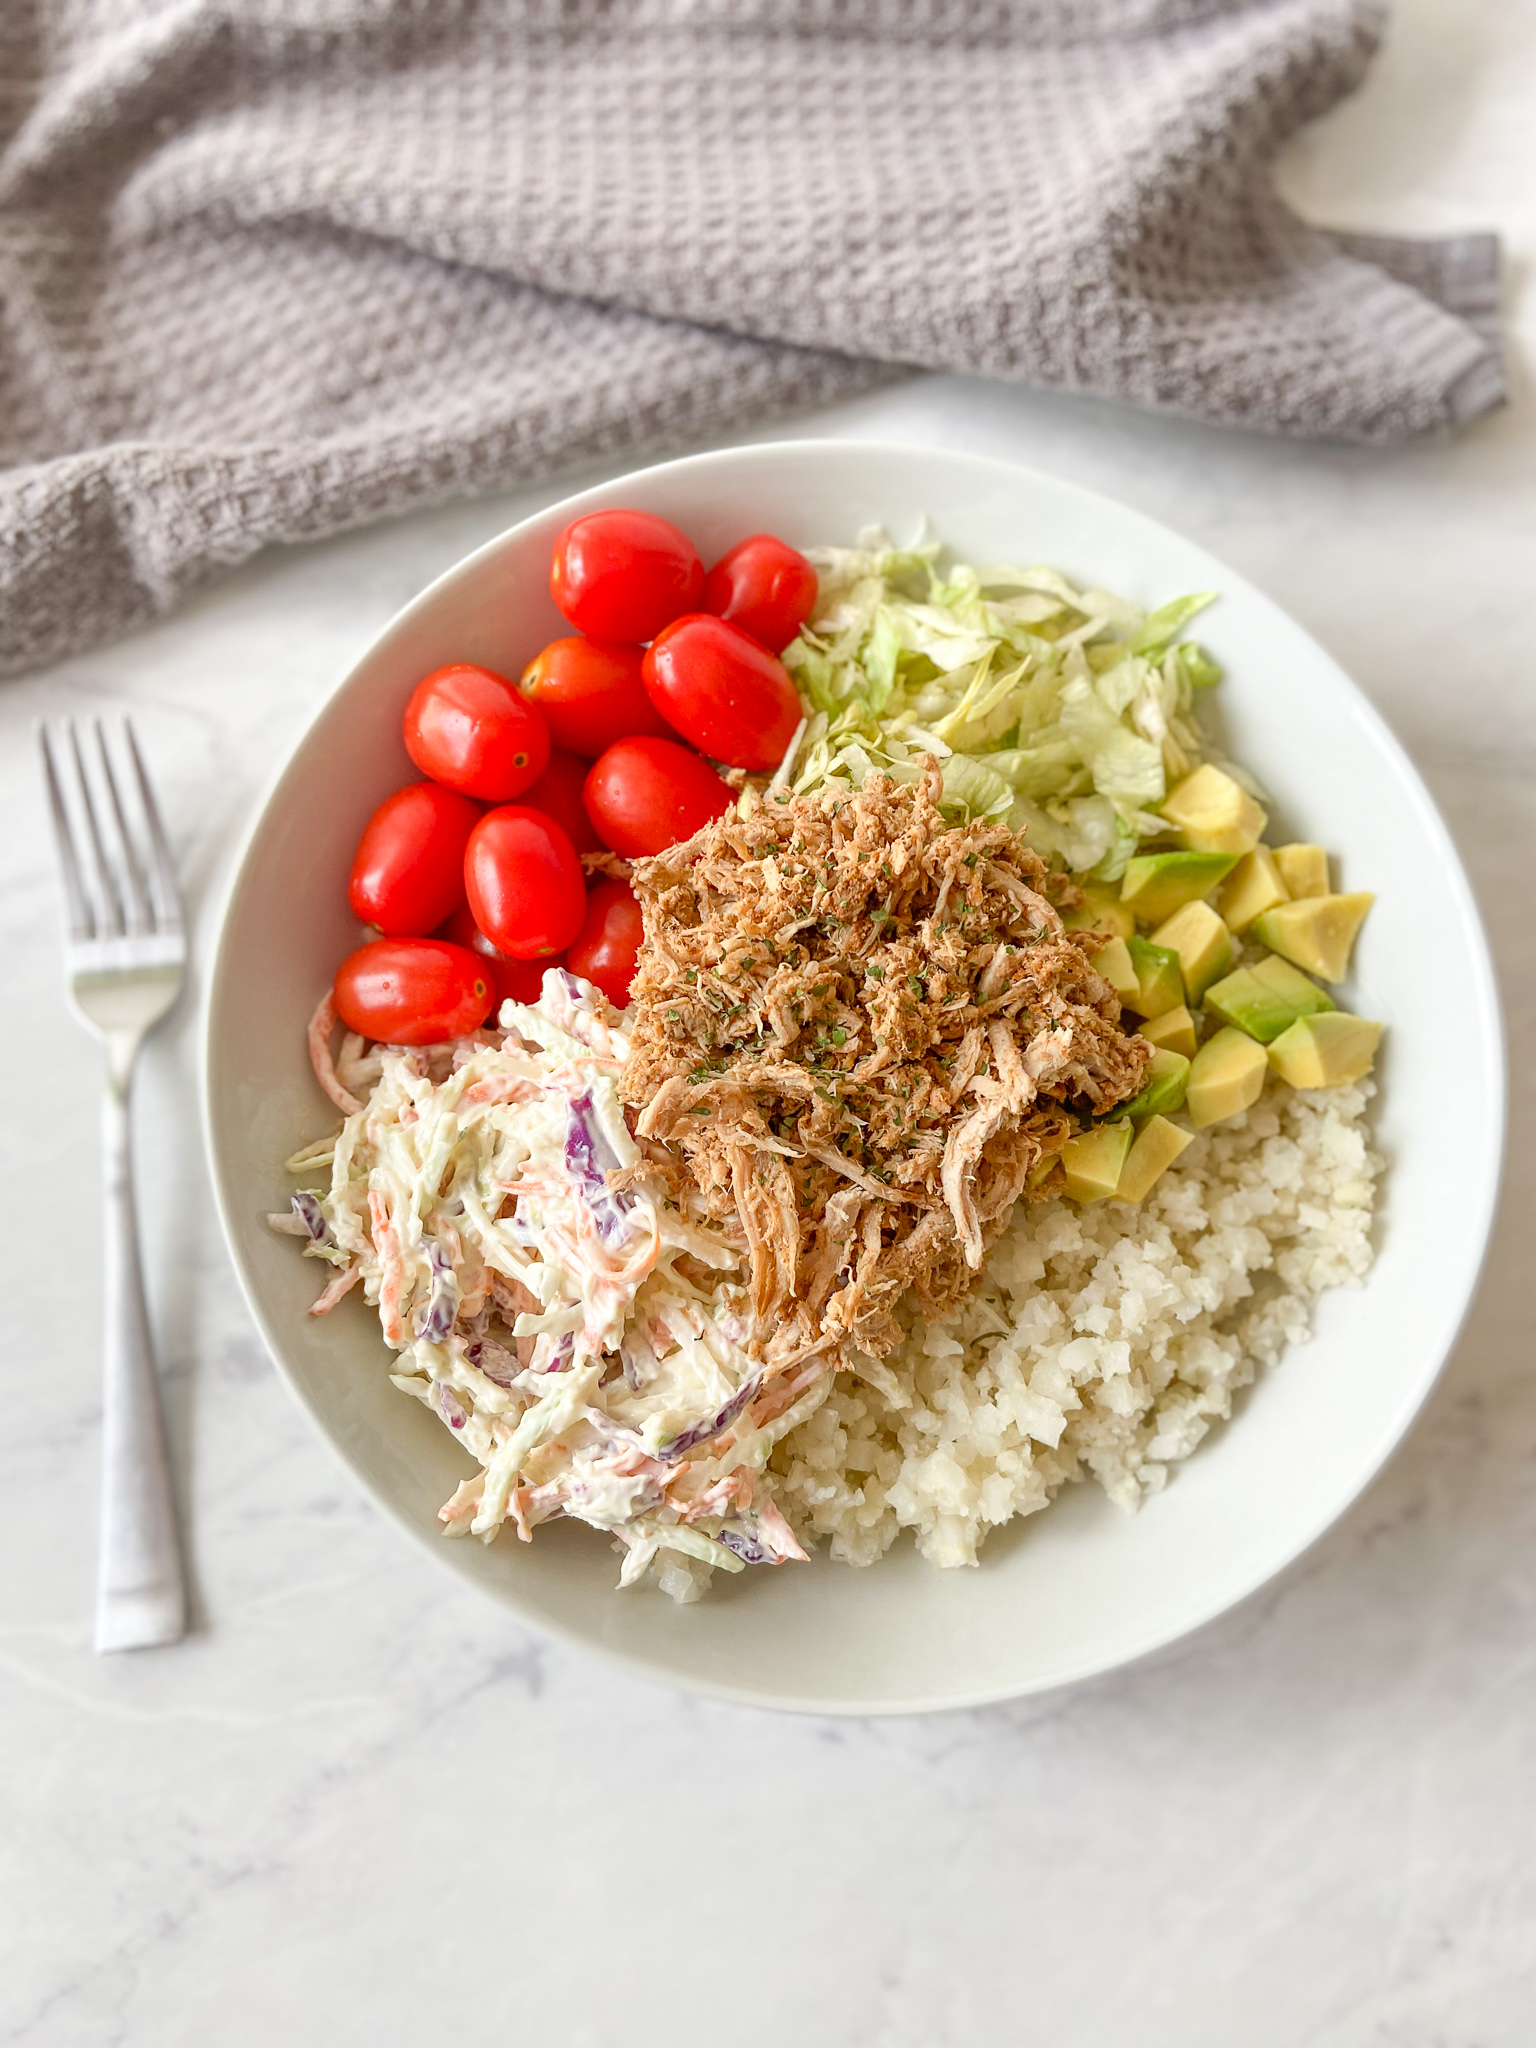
(275, 267)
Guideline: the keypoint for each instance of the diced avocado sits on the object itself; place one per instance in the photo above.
(1163, 1089)
(1158, 884)
(1266, 999)
(1174, 1031)
(1159, 983)
(1292, 986)
(1041, 1168)
(1226, 1076)
(1158, 1144)
(1203, 944)
(1253, 886)
(1317, 933)
(1325, 1050)
(1213, 813)
(1091, 1162)
(1100, 911)
(1303, 869)
(1114, 963)
(1243, 1000)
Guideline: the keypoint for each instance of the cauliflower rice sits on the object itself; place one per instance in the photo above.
(1100, 1341)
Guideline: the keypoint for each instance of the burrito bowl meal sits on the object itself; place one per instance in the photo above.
(835, 1049)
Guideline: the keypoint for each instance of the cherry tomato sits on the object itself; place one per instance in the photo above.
(525, 885)
(590, 694)
(409, 869)
(604, 951)
(469, 729)
(412, 991)
(723, 690)
(644, 795)
(558, 794)
(624, 575)
(764, 586)
(515, 981)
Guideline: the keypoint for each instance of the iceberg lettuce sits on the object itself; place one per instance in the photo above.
(1066, 712)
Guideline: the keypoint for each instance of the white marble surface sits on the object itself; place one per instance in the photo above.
(357, 1804)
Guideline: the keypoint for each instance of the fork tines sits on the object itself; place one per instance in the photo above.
(125, 885)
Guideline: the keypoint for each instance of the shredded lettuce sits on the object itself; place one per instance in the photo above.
(1064, 712)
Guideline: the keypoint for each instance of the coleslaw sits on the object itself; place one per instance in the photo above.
(587, 1344)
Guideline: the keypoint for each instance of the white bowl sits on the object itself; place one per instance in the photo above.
(1082, 1587)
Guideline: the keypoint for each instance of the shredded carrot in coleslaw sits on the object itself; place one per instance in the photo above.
(321, 1025)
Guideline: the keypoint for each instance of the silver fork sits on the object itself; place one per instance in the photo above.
(125, 959)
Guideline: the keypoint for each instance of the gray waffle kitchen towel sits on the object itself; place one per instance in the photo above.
(275, 267)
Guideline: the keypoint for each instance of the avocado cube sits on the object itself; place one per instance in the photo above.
(1292, 986)
(1226, 1076)
(1203, 944)
(1155, 885)
(1303, 869)
(1266, 999)
(1158, 1144)
(1174, 1031)
(1326, 1050)
(1114, 963)
(1253, 886)
(1100, 911)
(1242, 999)
(1091, 1162)
(1041, 1170)
(1163, 1089)
(1214, 814)
(1316, 933)
(1159, 984)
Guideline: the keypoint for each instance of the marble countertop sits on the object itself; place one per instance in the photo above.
(358, 1803)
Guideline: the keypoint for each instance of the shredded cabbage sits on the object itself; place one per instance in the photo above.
(1065, 713)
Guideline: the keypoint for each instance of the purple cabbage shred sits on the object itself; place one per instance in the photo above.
(587, 1158)
(701, 1432)
(311, 1215)
(435, 1320)
(494, 1360)
(634, 1375)
(742, 1540)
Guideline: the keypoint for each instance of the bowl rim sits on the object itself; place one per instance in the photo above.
(1485, 992)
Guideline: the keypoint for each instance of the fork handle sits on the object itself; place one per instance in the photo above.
(140, 1596)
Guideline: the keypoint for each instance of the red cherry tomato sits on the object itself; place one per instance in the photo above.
(408, 872)
(558, 794)
(723, 690)
(604, 951)
(590, 694)
(469, 729)
(412, 991)
(764, 586)
(624, 575)
(515, 981)
(525, 885)
(644, 795)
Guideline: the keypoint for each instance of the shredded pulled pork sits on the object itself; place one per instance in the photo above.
(863, 1029)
